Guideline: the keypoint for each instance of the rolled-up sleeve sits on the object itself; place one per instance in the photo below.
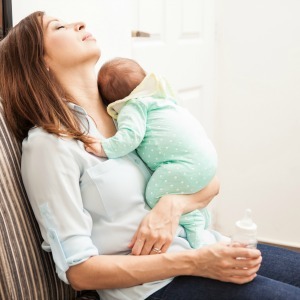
(51, 175)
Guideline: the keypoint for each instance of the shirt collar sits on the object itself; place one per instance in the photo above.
(77, 108)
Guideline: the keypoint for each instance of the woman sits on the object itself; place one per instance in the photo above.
(89, 208)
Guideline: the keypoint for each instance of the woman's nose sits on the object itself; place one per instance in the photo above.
(79, 26)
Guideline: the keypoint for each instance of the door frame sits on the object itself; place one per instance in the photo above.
(6, 17)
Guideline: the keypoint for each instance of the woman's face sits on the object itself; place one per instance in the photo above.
(68, 45)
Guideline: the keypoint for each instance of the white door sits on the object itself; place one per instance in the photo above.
(180, 47)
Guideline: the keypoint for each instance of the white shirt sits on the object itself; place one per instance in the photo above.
(86, 205)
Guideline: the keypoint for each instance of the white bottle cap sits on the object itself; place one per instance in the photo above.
(246, 225)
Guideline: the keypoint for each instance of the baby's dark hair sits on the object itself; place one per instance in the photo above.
(118, 77)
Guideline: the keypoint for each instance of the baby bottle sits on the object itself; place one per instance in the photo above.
(245, 232)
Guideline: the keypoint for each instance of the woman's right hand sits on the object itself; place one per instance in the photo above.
(229, 264)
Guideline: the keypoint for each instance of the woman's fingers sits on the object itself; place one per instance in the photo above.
(148, 246)
(144, 243)
(156, 249)
(165, 246)
(150, 240)
(138, 246)
(133, 240)
(157, 239)
(244, 271)
(247, 263)
(228, 264)
(156, 231)
(137, 243)
(243, 275)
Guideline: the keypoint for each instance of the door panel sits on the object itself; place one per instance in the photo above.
(180, 47)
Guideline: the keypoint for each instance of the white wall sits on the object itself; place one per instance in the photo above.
(257, 119)
(258, 116)
(108, 21)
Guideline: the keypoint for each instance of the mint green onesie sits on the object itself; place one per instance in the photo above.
(170, 141)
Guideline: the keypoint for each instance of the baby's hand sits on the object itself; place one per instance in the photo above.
(95, 147)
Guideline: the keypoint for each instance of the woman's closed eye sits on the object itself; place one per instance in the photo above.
(59, 24)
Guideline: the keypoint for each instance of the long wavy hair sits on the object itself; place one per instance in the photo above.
(31, 95)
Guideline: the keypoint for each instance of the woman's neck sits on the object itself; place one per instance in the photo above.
(82, 87)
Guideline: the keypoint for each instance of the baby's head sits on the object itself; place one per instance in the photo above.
(118, 77)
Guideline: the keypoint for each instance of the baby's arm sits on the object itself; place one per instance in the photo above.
(131, 130)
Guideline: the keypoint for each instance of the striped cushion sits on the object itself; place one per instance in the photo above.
(26, 271)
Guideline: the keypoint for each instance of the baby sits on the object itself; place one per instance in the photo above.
(166, 136)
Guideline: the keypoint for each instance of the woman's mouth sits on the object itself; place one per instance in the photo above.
(88, 36)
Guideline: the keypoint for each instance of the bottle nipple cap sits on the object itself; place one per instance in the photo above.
(247, 224)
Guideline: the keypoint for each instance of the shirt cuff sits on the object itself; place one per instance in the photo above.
(71, 252)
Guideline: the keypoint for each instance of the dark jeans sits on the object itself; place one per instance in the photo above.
(278, 278)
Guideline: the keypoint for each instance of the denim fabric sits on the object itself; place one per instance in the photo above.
(278, 279)
(280, 264)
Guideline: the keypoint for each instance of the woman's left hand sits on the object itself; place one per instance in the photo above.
(156, 231)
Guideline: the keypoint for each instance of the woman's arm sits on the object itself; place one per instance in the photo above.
(188, 203)
(217, 262)
(51, 175)
(158, 228)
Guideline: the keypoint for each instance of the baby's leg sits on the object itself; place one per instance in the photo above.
(176, 179)
(194, 223)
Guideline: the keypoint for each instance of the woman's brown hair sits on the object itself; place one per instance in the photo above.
(30, 94)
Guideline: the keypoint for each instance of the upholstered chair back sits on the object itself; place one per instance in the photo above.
(26, 271)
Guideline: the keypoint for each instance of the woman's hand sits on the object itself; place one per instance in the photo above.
(158, 228)
(156, 231)
(229, 264)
